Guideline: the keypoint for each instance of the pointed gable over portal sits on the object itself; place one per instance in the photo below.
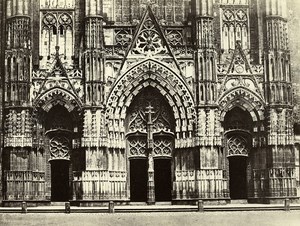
(239, 62)
(241, 75)
(57, 85)
(149, 42)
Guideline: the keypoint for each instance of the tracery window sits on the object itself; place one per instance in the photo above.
(149, 40)
(130, 10)
(57, 30)
(235, 27)
(174, 37)
(57, 3)
(234, 2)
(123, 37)
(138, 120)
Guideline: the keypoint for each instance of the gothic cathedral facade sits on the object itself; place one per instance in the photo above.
(146, 101)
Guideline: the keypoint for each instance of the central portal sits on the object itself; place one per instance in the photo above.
(150, 142)
(162, 180)
(59, 180)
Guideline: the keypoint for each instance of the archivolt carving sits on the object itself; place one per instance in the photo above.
(154, 74)
(245, 99)
(150, 73)
(58, 96)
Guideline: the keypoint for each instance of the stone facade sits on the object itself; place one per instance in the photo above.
(136, 100)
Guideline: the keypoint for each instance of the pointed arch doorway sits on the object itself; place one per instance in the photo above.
(59, 132)
(150, 128)
(238, 126)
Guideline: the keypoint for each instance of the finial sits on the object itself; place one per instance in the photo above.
(57, 50)
(149, 3)
(238, 44)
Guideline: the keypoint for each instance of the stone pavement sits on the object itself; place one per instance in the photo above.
(153, 208)
(241, 218)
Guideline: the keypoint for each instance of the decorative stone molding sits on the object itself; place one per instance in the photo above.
(58, 96)
(59, 147)
(151, 73)
(244, 98)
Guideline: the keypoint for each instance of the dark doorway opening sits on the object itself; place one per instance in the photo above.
(59, 180)
(238, 177)
(138, 180)
(163, 180)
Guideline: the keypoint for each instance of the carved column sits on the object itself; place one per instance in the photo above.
(151, 184)
(2, 71)
(98, 157)
(18, 121)
(208, 136)
(280, 172)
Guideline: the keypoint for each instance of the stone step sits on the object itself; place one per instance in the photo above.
(138, 203)
(152, 208)
(145, 204)
(57, 204)
(163, 203)
(239, 201)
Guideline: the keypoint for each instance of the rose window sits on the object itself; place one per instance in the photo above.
(149, 41)
(59, 147)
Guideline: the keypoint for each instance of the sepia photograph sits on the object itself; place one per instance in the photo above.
(150, 112)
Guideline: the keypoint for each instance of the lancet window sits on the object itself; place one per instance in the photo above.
(235, 27)
(57, 3)
(56, 30)
(131, 10)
